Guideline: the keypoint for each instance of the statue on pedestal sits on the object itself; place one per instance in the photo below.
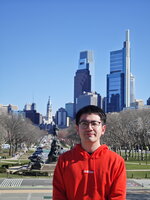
(55, 147)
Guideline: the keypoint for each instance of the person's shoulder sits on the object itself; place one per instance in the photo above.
(66, 154)
(114, 155)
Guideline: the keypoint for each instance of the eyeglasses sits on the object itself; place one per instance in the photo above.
(85, 124)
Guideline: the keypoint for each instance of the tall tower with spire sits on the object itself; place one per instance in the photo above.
(119, 83)
(49, 112)
(127, 69)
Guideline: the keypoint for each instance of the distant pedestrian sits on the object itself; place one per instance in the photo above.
(90, 171)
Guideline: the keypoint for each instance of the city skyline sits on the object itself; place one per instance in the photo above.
(40, 44)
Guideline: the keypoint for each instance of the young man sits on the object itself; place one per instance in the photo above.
(90, 171)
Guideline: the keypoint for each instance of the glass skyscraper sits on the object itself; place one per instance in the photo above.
(118, 81)
(84, 78)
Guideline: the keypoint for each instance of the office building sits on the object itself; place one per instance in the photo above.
(70, 109)
(61, 118)
(148, 101)
(137, 104)
(104, 104)
(5, 109)
(27, 106)
(32, 114)
(120, 80)
(84, 78)
(88, 98)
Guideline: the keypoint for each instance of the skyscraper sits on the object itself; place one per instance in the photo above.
(84, 78)
(118, 81)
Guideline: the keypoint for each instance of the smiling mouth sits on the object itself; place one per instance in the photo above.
(90, 134)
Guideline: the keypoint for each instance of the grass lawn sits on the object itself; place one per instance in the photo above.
(134, 166)
(137, 166)
(13, 162)
(5, 175)
(131, 166)
(138, 174)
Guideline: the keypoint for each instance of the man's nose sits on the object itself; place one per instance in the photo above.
(89, 126)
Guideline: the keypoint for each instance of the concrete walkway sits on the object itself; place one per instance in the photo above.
(138, 184)
(39, 189)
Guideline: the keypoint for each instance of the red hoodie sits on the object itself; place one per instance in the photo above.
(81, 176)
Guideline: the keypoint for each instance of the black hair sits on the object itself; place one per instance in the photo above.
(91, 109)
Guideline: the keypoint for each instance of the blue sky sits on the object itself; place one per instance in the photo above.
(40, 42)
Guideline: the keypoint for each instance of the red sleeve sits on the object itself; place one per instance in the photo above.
(59, 192)
(118, 189)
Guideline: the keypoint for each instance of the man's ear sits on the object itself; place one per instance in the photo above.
(77, 129)
(103, 129)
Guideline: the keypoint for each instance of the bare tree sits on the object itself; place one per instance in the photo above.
(2, 136)
(19, 130)
(69, 134)
(128, 128)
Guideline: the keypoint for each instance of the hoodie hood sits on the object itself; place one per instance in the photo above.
(96, 154)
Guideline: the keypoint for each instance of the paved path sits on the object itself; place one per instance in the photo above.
(11, 183)
(138, 183)
(40, 189)
(45, 182)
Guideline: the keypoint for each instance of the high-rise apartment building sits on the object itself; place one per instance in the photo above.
(119, 79)
(84, 78)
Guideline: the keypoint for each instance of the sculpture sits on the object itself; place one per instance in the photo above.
(55, 147)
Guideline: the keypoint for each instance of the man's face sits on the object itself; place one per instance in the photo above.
(90, 128)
